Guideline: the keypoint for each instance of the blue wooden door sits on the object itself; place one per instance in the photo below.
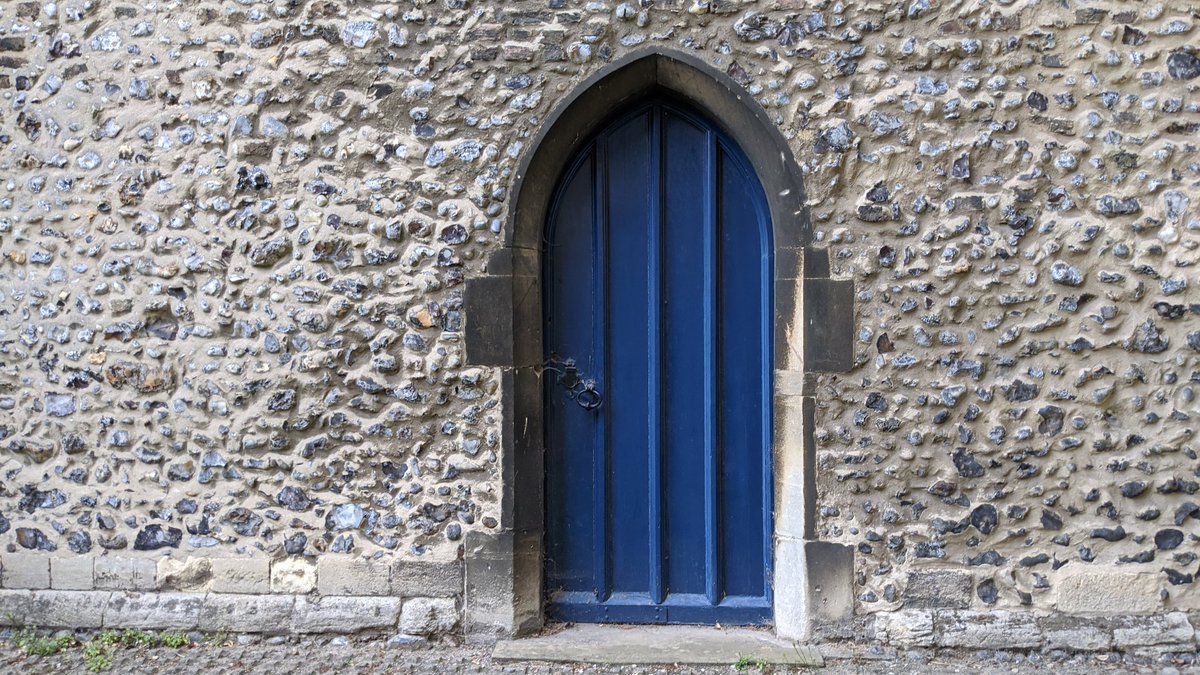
(658, 337)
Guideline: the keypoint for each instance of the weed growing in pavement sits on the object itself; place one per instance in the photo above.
(97, 652)
(31, 644)
(745, 663)
(97, 656)
(174, 640)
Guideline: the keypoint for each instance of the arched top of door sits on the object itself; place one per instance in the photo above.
(667, 74)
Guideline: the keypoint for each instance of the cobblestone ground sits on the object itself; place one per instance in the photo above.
(375, 656)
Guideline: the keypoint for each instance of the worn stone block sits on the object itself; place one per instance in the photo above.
(938, 589)
(816, 263)
(996, 629)
(829, 329)
(487, 304)
(830, 580)
(14, 607)
(247, 613)
(489, 609)
(125, 574)
(411, 578)
(67, 609)
(293, 575)
(154, 611)
(71, 574)
(1077, 633)
(1162, 632)
(344, 614)
(906, 628)
(190, 574)
(352, 576)
(1106, 592)
(428, 616)
(25, 570)
(241, 575)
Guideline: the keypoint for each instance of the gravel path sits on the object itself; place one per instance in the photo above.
(374, 656)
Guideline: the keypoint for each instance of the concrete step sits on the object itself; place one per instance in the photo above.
(620, 644)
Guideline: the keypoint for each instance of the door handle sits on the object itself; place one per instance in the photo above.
(579, 389)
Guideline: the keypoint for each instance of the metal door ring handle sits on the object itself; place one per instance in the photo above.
(589, 399)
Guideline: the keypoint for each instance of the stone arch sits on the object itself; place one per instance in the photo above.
(813, 333)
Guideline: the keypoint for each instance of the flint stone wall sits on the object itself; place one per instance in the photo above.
(234, 238)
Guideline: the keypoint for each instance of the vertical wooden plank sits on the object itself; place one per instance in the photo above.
(745, 444)
(629, 364)
(570, 326)
(712, 416)
(654, 343)
(685, 151)
(600, 492)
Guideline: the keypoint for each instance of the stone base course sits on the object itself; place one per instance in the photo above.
(247, 613)
(1002, 629)
(234, 612)
(275, 614)
(244, 595)
(329, 575)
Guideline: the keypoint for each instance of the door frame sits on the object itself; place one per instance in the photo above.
(813, 334)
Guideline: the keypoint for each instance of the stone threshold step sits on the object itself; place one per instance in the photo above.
(620, 644)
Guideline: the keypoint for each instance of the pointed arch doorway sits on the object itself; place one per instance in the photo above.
(512, 574)
(656, 301)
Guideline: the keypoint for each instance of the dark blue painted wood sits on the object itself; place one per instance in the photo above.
(657, 284)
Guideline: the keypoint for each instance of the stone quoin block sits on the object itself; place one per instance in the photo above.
(489, 606)
(829, 328)
(830, 578)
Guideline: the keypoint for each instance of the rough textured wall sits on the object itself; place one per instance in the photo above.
(234, 238)
(234, 241)
(1013, 188)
